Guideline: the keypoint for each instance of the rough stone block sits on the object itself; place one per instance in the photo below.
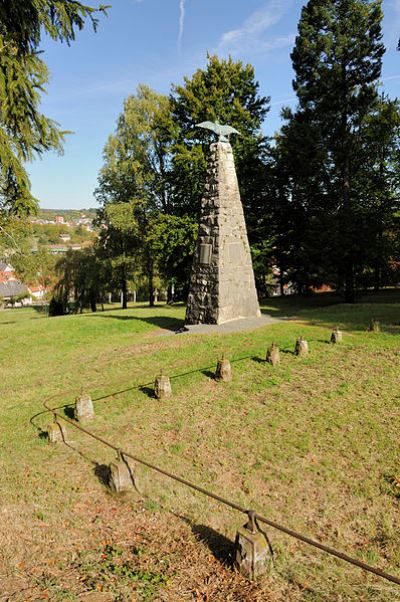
(374, 326)
(301, 347)
(122, 477)
(223, 371)
(213, 297)
(162, 387)
(56, 432)
(84, 408)
(273, 356)
(252, 553)
(336, 336)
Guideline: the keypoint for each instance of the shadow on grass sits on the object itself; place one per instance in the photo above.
(329, 310)
(258, 360)
(102, 472)
(69, 412)
(208, 374)
(148, 391)
(220, 546)
(164, 322)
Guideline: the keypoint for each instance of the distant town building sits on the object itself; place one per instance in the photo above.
(6, 272)
(12, 289)
(59, 219)
(37, 292)
(60, 249)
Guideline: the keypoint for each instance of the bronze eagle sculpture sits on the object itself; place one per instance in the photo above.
(223, 131)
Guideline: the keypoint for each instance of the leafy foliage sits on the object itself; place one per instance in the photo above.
(332, 187)
(24, 131)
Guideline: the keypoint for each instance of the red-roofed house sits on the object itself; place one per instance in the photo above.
(6, 272)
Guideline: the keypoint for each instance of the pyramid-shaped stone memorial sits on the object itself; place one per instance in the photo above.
(222, 286)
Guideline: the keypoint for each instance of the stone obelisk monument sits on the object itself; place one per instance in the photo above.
(222, 286)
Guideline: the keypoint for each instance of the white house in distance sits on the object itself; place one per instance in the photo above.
(10, 286)
(6, 272)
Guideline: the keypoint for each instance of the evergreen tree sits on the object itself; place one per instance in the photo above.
(379, 185)
(337, 61)
(24, 131)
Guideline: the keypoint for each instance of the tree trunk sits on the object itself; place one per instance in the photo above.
(379, 245)
(378, 261)
(124, 293)
(150, 275)
(347, 224)
(93, 305)
(281, 278)
(170, 294)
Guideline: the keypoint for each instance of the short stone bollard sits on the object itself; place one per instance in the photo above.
(273, 356)
(162, 386)
(83, 408)
(336, 336)
(374, 326)
(301, 347)
(252, 550)
(224, 370)
(56, 432)
(122, 477)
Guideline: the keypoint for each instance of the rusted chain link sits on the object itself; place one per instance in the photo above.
(218, 498)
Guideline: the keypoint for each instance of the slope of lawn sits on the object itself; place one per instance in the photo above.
(312, 444)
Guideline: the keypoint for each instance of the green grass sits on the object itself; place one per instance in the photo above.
(312, 444)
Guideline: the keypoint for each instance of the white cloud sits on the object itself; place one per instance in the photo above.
(390, 77)
(284, 101)
(181, 21)
(249, 37)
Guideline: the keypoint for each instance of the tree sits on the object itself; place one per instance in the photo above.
(24, 131)
(134, 184)
(337, 61)
(35, 267)
(172, 240)
(121, 243)
(379, 182)
(155, 165)
(301, 215)
(83, 280)
(228, 92)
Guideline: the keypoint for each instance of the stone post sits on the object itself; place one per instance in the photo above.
(84, 408)
(56, 432)
(162, 386)
(301, 348)
(336, 336)
(223, 371)
(273, 356)
(122, 477)
(252, 551)
(374, 326)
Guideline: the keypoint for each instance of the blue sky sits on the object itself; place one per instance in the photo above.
(157, 42)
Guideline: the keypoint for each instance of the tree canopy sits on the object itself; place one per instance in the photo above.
(331, 149)
(24, 131)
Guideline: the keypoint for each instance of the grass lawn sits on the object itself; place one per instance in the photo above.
(312, 444)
